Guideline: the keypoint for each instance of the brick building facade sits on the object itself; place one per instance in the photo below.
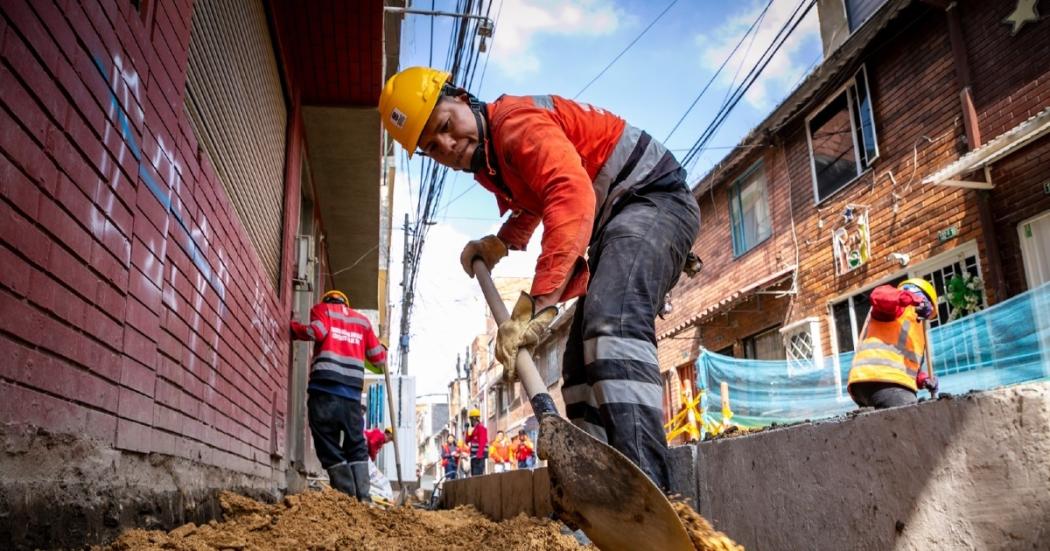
(169, 200)
(930, 120)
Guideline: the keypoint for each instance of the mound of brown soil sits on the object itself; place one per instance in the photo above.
(331, 520)
(704, 537)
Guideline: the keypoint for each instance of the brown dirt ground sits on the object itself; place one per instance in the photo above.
(704, 537)
(330, 520)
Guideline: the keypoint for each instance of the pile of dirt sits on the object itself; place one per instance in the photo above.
(330, 520)
(703, 536)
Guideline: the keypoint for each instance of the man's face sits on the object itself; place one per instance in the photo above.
(451, 134)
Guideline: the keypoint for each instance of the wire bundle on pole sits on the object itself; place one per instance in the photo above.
(461, 61)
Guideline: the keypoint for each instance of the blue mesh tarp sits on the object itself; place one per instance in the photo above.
(1005, 344)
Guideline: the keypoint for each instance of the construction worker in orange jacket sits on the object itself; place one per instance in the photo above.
(499, 453)
(344, 340)
(887, 365)
(618, 224)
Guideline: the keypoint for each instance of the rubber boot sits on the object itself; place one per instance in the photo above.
(362, 480)
(341, 477)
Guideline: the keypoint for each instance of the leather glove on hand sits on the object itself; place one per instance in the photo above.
(489, 248)
(932, 384)
(523, 329)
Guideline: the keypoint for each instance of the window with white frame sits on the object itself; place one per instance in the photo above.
(802, 346)
(963, 352)
(858, 11)
(842, 140)
(749, 210)
(849, 315)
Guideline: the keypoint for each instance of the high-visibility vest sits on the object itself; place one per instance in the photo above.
(890, 351)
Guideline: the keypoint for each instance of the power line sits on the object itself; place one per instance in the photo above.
(624, 51)
(485, 67)
(778, 41)
(718, 71)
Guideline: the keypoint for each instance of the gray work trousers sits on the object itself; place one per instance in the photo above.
(612, 385)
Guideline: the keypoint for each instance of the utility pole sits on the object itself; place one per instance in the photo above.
(406, 302)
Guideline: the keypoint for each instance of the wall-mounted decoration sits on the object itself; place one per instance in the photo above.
(1024, 12)
(852, 241)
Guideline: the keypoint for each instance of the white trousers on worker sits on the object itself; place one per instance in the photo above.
(499, 467)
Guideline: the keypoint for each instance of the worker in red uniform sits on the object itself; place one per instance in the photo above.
(618, 225)
(887, 366)
(376, 439)
(478, 439)
(523, 450)
(344, 340)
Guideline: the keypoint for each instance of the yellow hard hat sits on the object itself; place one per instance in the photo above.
(474, 413)
(336, 294)
(927, 289)
(407, 101)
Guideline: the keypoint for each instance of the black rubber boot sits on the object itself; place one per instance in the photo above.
(362, 480)
(341, 477)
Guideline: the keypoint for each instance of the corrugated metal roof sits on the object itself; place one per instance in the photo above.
(1003, 145)
(730, 300)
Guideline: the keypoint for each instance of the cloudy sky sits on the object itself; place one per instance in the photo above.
(557, 47)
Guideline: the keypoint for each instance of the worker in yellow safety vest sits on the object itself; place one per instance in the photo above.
(886, 369)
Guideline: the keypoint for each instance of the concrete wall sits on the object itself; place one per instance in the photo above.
(970, 472)
(967, 473)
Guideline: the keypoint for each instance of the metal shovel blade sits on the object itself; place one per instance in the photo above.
(598, 489)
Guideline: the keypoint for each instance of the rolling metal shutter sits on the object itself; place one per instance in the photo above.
(237, 109)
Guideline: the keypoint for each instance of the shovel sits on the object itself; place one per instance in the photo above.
(593, 486)
(399, 498)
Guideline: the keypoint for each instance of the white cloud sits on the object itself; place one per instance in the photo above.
(522, 22)
(449, 310)
(786, 67)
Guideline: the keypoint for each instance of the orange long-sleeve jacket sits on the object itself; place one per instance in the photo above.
(566, 164)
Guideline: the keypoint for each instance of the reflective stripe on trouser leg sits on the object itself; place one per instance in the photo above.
(581, 407)
(635, 259)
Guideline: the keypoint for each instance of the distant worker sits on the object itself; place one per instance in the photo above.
(377, 439)
(463, 457)
(523, 451)
(499, 453)
(618, 219)
(478, 439)
(886, 369)
(344, 341)
(449, 457)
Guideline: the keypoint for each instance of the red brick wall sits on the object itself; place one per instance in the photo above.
(724, 273)
(1010, 77)
(135, 309)
(1019, 195)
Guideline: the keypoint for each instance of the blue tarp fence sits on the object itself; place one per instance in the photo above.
(1006, 344)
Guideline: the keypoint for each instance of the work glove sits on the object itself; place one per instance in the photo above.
(489, 248)
(523, 329)
(932, 384)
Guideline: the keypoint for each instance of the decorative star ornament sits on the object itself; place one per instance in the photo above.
(1024, 13)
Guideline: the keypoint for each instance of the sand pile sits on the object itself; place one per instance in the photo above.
(331, 520)
(704, 537)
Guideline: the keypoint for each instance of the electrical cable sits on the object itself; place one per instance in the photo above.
(624, 51)
(778, 41)
(718, 71)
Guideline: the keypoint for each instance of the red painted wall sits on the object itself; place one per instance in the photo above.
(134, 309)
